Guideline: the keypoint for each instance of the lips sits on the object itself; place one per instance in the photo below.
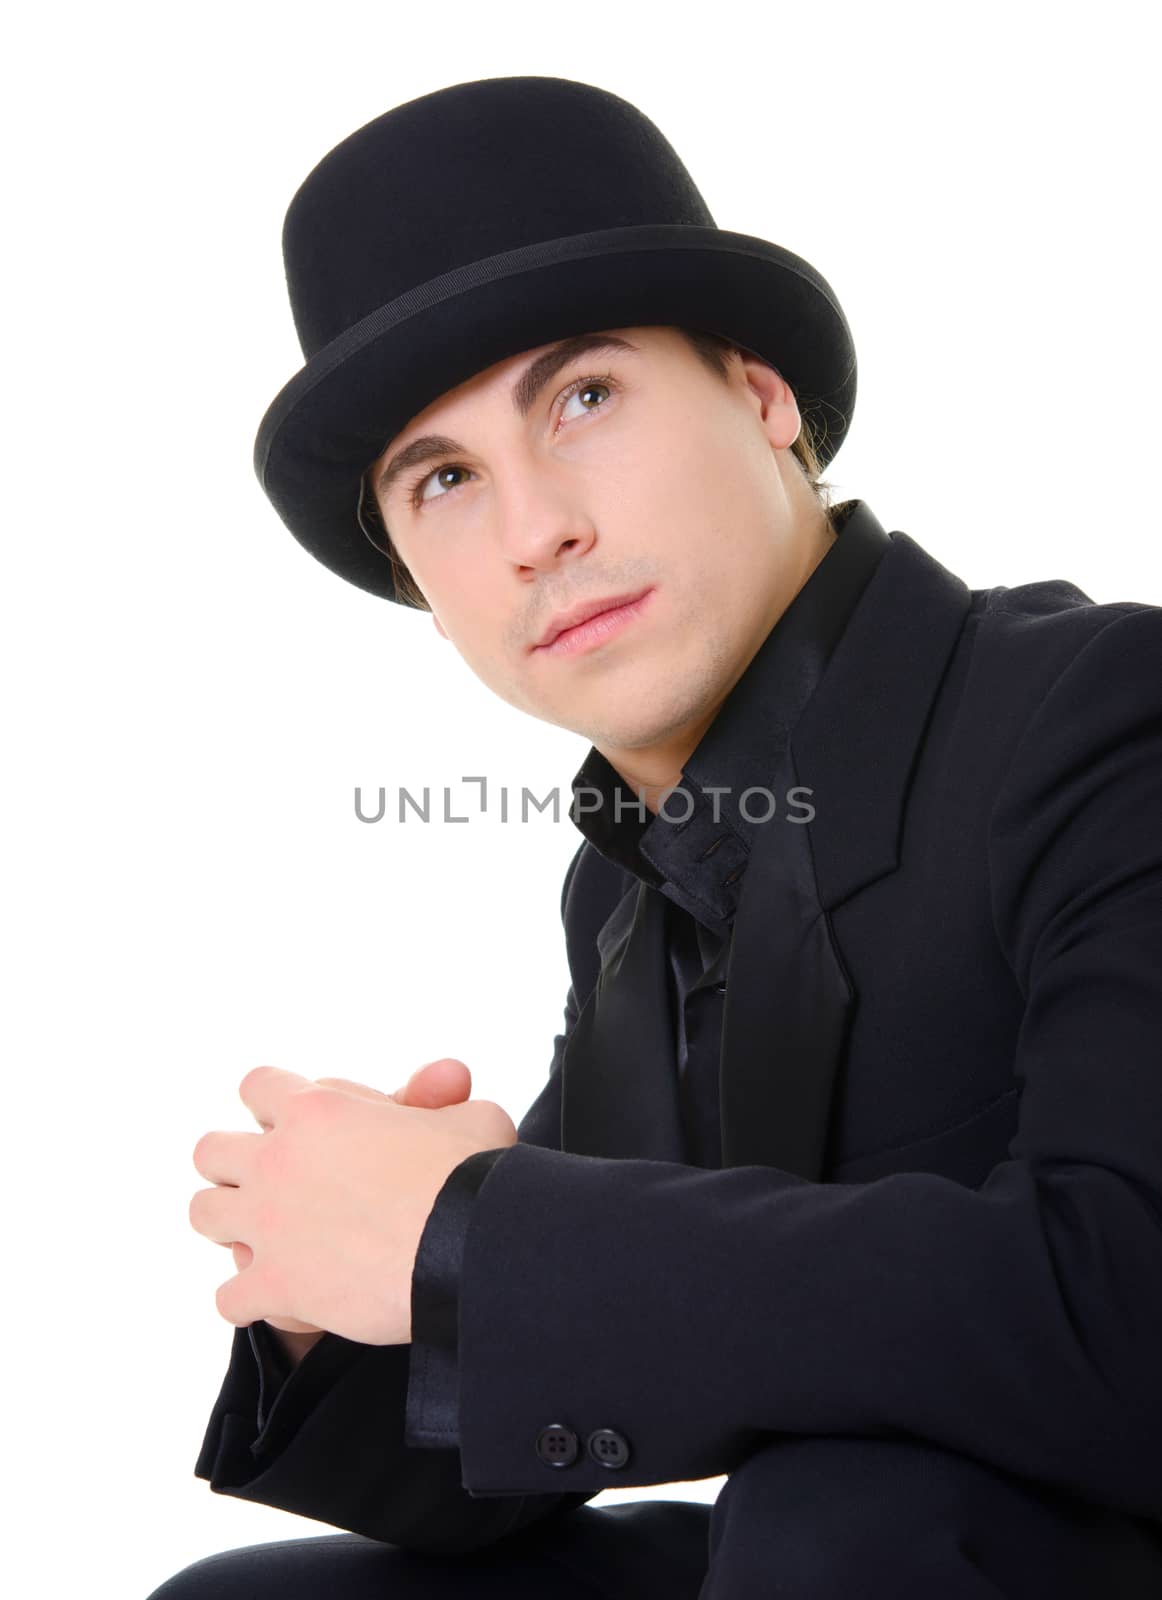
(584, 613)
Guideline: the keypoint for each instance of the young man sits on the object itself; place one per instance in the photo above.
(846, 1178)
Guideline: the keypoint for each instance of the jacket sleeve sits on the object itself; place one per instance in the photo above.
(699, 1312)
(329, 1439)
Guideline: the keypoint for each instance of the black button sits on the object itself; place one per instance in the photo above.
(609, 1448)
(557, 1445)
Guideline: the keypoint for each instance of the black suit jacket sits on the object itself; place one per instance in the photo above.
(941, 1216)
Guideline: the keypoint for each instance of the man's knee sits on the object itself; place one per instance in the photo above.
(342, 1564)
(822, 1513)
(865, 1517)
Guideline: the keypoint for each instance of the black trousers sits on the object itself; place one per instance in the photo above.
(820, 1518)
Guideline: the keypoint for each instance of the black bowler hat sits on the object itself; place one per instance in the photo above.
(484, 219)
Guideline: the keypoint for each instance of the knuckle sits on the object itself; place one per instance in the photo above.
(493, 1121)
(265, 1153)
(249, 1079)
(316, 1102)
(266, 1218)
(275, 1162)
(255, 1077)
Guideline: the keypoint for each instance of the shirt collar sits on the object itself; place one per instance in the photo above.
(695, 849)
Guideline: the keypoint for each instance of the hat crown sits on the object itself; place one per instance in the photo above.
(465, 173)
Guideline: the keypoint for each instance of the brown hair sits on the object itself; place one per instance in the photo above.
(714, 351)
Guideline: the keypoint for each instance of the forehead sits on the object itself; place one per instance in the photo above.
(502, 374)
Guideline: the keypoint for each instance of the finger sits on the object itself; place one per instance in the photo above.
(224, 1157)
(254, 1295)
(214, 1214)
(264, 1091)
(437, 1084)
(242, 1300)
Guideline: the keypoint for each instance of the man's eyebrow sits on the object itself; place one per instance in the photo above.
(524, 394)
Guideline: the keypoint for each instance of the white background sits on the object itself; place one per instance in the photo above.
(191, 699)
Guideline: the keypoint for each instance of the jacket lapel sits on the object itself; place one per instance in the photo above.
(856, 743)
(788, 997)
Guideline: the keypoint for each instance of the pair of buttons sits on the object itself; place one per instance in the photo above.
(559, 1446)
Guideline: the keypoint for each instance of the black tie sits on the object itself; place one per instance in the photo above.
(787, 1002)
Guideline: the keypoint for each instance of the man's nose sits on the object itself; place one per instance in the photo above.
(539, 530)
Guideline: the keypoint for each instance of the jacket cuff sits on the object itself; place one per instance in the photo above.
(433, 1395)
(273, 1368)
(286, 1393)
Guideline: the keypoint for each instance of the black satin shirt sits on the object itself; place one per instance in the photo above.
(702, 886)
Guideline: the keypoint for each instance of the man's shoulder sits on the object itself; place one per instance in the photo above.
(1027, 636)
(1050, 674)
(1051, 614)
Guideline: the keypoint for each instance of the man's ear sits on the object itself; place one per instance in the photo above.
(439, 626)
(781, 418)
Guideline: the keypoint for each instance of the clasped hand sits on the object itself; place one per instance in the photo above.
(324, 1209)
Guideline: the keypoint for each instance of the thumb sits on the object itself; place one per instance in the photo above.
(445, 1082)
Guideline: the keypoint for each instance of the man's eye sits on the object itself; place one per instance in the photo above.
(584, 385)
(449, 467)
(581, 386)
(417, 497)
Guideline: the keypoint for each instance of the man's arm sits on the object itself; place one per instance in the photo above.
(345, 1462)
(697, 1313)
(325, 1439)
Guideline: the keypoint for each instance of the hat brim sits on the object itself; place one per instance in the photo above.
(339, 412)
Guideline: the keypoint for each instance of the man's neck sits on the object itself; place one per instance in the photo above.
(652, 773)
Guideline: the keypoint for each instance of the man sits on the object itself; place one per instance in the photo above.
(846, 1178)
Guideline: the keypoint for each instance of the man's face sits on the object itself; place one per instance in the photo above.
(633, 470)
